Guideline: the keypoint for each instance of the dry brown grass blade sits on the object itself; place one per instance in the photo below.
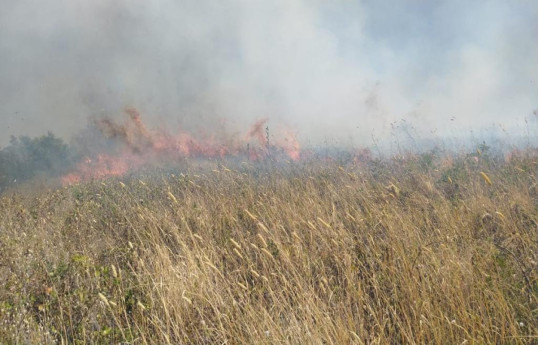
(313, 253)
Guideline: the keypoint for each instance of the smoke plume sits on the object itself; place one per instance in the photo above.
(339, 71)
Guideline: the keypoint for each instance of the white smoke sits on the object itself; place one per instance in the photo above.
(336, 70)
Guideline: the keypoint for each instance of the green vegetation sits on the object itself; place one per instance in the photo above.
(417, 250)
(27, 158)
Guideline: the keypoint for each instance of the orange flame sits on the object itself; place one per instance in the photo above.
(256, 131)
(142, 146)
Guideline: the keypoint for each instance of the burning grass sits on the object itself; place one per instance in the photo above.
(136, 147)
(423, 250)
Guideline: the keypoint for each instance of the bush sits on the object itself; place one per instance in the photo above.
(26, 158)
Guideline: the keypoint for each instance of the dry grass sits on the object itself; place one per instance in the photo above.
(407, 251)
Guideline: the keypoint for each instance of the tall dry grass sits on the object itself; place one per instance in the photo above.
(419, 250)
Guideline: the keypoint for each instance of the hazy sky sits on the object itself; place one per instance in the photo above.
(337, 70)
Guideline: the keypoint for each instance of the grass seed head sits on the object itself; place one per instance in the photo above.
(103, 299)
(486, 178)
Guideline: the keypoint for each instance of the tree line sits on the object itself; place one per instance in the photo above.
(26, 158)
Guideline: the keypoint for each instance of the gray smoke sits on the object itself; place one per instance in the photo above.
(334, 70)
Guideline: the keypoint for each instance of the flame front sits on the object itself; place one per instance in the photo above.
(140, 146)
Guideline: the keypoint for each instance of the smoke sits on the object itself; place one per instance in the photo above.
(341, 71)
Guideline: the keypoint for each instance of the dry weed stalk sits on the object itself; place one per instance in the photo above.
(305, 253)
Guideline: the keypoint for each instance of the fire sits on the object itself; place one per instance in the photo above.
(140, 146)
(291, 146)
(102, 166)
(133, 132)
(256, 131)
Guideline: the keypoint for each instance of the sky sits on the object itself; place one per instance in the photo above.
(338, 71)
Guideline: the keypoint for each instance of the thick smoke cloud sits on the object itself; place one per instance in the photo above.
(334, 70)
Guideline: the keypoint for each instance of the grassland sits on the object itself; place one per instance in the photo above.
(427, 249)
